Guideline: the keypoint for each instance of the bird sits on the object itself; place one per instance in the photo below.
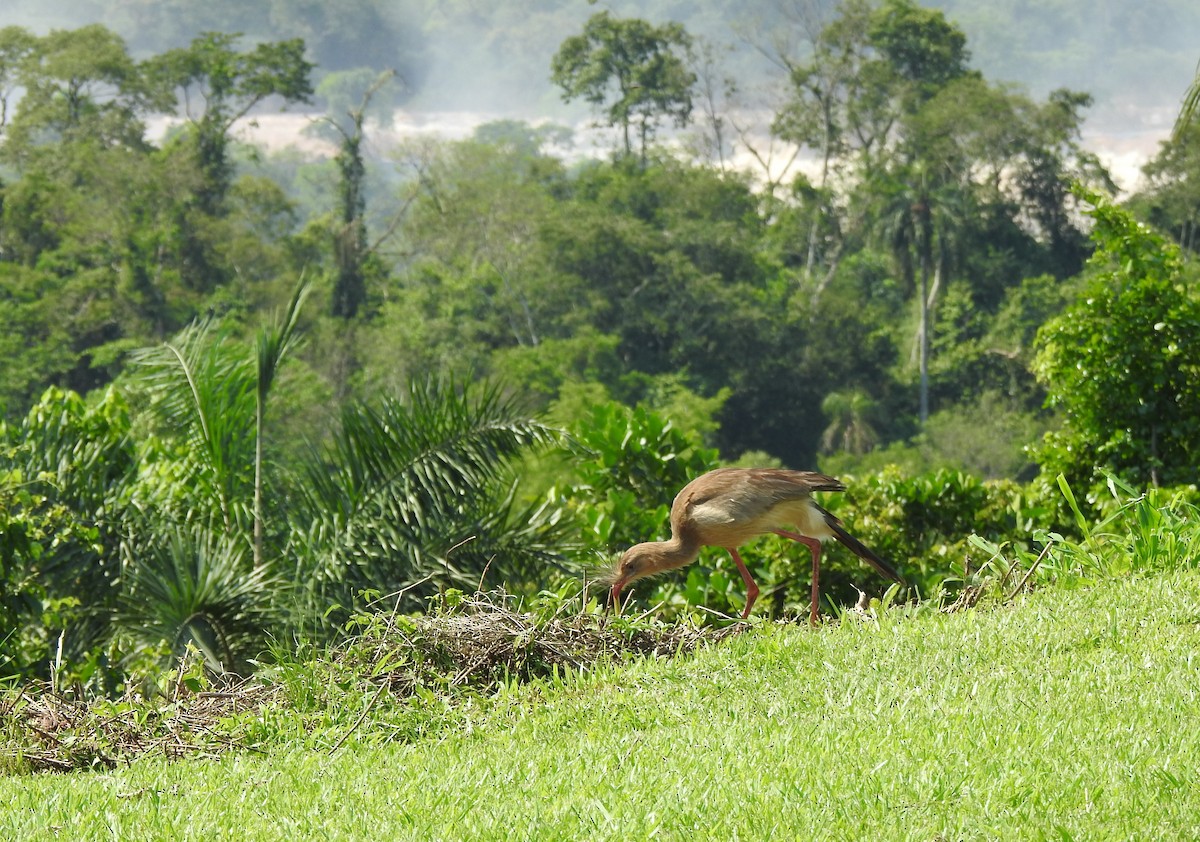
(728, 507)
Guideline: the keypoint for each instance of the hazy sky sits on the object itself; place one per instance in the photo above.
(1136, 58)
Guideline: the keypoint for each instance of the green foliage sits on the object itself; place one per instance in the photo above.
(229, 83)
(850, 428)
(80, 85)
(951, 439)
(1122, 363)
(1189, 109)
(1154, 532)
(191, 588)
(954, 178)
(644, 63)
(630, 463)
(922, 522)
(199, 389)
(1169, 198)
(411, 493)
(65, 472)
(919, 45)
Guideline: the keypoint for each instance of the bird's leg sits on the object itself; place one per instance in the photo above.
(751, 585)
(814, 547)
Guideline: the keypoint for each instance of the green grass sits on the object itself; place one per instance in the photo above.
(1069, 715)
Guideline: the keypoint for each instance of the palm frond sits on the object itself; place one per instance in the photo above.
(192, 585)
(273, 343)
(1189, 109)
(271, 347)
(409, 490)
(202, 387)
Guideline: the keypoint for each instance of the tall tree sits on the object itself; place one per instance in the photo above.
(917, 53)
(639, 70)
(79, 86)
(217, 85)
(350, 247)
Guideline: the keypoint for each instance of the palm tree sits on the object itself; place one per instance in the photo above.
(918, 211)
(207, 387)
(191, 586)
(418, 493)
(850, 427)
(194, 567)
(1189, 110)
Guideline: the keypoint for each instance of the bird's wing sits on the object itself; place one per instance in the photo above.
(789, 485)
(741, 495)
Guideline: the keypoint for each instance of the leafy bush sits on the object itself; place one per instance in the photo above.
(64, 475)
(923, 522)
(1122, 363)
(630, 465)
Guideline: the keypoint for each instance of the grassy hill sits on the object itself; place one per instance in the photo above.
(1066, 715)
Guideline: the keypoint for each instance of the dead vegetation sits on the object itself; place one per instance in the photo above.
(480, 641)
(471, 644)
(47, 730)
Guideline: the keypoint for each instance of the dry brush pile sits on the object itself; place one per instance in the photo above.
(471, 644)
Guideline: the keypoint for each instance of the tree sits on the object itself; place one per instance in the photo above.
(919, 54)
(479, 277)
(16, 46)
(646, 64)
(922, 159)
(919, 47)
(850, 427)
(80, 86)
(214, 85)
(350, 248)
(207, 389)
(188, 586)
(217, 85)
(1122, 363)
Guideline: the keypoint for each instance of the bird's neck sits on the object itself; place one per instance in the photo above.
(681, 549)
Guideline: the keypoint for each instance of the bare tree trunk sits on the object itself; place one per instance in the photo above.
(923, 338)
(926, 245)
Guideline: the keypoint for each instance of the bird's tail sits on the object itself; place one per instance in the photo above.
(862, 551)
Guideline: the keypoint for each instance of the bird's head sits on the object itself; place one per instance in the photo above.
(636, 562)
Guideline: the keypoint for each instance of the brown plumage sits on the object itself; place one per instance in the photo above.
(730, 506)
